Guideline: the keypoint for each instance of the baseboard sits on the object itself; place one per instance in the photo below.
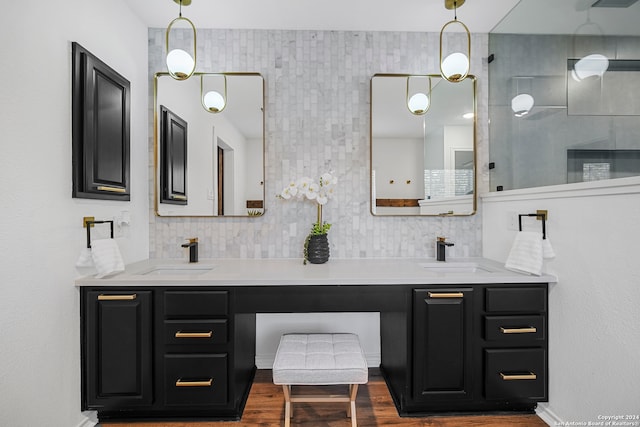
(548, 416)
(265, 361)
(90, 419)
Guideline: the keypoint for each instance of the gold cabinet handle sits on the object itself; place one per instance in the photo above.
(178, 197)
(515, 377)
(117, 297)
(446, 295)
(205, 383)
(527, 330)
(181, 334)
(111, 189)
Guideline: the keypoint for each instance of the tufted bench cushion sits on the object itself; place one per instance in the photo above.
(321, 359)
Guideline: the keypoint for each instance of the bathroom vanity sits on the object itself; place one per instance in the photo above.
(166, 339)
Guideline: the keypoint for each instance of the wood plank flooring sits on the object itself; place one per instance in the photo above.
(265, 407)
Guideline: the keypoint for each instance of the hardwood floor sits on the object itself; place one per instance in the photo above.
(265, 407)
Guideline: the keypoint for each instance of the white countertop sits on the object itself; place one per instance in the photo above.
(270, 272)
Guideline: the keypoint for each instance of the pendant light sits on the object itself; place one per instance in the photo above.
(418, 103)
(455, 66)
(522, 103)
(180, 63)
(593, 64)
(212, 100)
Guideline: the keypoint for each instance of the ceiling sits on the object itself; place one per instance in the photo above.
(347, 15)
(481, 16)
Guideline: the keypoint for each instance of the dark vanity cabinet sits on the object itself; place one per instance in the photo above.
(442, 356)
(188, 352)
(470, 349)
(117, 349)
(164, 353)
(101, 129)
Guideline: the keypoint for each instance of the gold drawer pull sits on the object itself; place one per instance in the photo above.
(446, 295)
(527, 330)
(205, 383)
(514, 377)
(117, 297)
(111, 189)
(178, 197)
(181, 334)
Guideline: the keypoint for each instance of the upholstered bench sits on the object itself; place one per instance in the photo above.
(320, 359)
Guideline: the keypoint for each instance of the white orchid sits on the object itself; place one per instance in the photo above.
(307, 189)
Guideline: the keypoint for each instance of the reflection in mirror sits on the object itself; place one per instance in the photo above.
(422, 164)
(222, 172)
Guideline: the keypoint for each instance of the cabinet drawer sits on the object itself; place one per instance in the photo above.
(518, 300)
(514, 328)
(516, 374)
(195, 331)
(193, 304)
(195, 379)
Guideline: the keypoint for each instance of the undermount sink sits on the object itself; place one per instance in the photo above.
(177, 270)
(455, 267)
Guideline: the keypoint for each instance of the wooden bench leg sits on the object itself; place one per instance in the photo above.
(288, 413)
(351, 412)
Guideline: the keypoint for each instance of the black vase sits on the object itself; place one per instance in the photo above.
(317, 251)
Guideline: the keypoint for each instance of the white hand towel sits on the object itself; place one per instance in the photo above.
(85, 259)
(526, 253)
(547, 249)
(106, 257)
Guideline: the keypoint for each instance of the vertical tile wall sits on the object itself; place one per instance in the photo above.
(317, 119)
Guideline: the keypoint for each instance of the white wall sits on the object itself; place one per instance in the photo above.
(594, 320)
(41, 230)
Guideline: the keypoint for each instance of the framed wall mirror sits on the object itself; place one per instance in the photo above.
(209, 161)
(423, 163)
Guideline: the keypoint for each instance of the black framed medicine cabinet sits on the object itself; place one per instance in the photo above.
(100, 129)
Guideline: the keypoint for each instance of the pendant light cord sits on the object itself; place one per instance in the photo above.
(455, 10)
(180, 12)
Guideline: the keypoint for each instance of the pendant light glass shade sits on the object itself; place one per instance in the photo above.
(522, 104)
(212, 100)
(594, 65)
(180, 63)
(455, 66)
(419, 102)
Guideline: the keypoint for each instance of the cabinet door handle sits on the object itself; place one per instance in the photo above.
(111, 189)
(202, 383)
(527, 330)
(181, 334)
(178, 197)
(117, 297)
(446, 295)
(515, 377)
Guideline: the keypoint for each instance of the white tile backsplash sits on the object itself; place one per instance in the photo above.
(317, 119)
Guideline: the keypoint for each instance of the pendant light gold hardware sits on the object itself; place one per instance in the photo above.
(205, 383)
(446, 295)
(212, 100)
(180, 64)
(448, 4)
(418, 103)
(542, 214)
(117, 297)
(111, 189)
(516, 377)
(181, 334)
(527, 330)
(457, 61)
